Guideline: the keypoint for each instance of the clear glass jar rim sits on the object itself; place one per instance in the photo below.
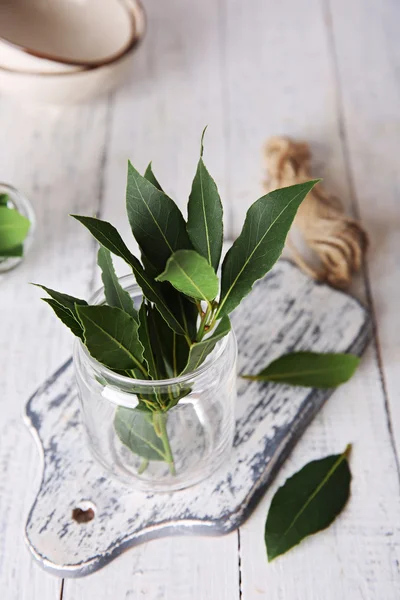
(122, 379)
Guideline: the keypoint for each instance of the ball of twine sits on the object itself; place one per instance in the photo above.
(337, 241)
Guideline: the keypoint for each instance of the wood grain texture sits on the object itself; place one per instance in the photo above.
(369, 110)
(340, 562)
(313, 69)
(32, 343)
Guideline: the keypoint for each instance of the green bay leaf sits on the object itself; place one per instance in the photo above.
(144, 336)
(307, 502)
(108, 236)
(65, 300)
(156, 222)
(309, 369)
(260, 242)
(111, 336)
(184, 309)
(66, 316)
(14, 228)
(159, 353)
(205, 215)
(114, 292)
(191, 274)
(149, 175)
(135, 429)
(171, 350)
(200, 350)
(64, 306)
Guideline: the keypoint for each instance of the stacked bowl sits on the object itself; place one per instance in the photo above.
(67, 50)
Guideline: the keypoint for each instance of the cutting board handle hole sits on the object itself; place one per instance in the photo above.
(84, 512)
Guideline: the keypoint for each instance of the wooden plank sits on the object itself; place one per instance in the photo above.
(198, 568)
(54, 156)
(159, 116)
(366, 51)
(280, 54)
(357, 556)
(267, 70)
(277, 83)
(176, 90)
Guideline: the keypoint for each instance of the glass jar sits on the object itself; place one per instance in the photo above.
(163, 451)
(22, 205)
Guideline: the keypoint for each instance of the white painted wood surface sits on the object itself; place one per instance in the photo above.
(269, 421)
(324, 71)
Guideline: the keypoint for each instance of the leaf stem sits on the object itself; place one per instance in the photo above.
(144, 370)
(204, 322)
(214, 317)
(160, 427)
(143, 466)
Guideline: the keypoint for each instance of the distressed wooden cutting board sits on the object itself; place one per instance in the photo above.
(284, 312)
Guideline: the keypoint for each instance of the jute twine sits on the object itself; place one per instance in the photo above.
(338, 241)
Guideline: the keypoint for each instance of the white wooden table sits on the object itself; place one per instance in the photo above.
(326, 71)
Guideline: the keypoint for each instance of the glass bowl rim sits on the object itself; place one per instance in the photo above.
(22, 204)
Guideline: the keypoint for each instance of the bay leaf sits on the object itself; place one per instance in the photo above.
(149, 175)
(205, 215)
(260, 242)
(144, 336)
(64, 306)
(309, 369)
(113, 291)
(4, 199)
(65, 300)
(166, 353)
(184, 309)
(308, 502)
(200, 350)
(156, 222)
(171, 350)
(135, 429)
(108, 236)
(191, 274)
(66, 317)
(14, 228)
(111, 336)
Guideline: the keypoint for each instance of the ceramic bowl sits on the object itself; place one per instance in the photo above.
(81, 33)
(16, 60)
(70, 75)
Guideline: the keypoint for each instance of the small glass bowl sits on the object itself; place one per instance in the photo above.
(22, 205)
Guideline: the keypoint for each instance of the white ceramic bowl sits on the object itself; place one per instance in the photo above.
(76, 32)
(63, 79)
(14, 59)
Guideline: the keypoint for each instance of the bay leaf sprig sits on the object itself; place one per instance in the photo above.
(178, 267)
(308, 502)
(185, 308)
